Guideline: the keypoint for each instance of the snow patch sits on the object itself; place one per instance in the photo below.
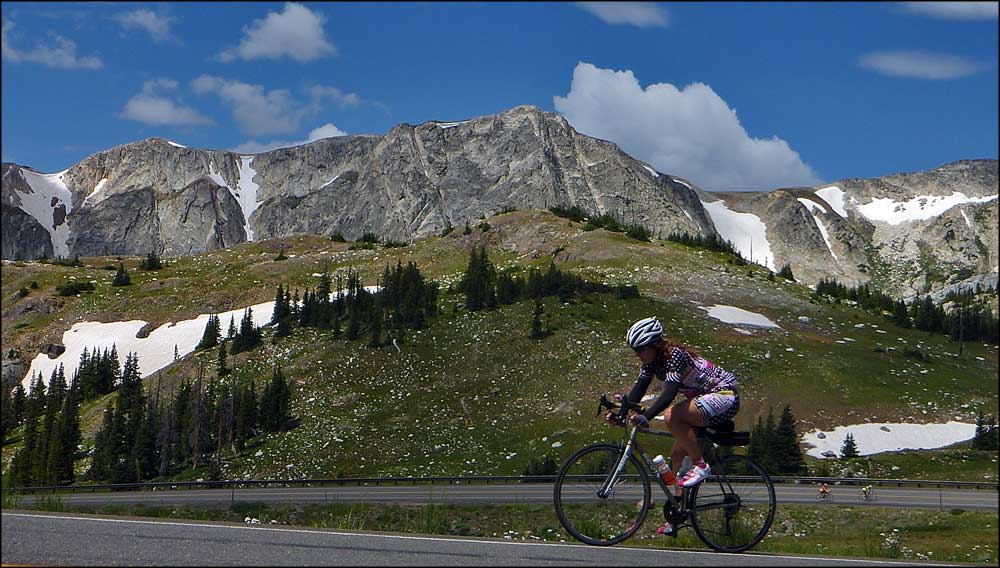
(835, 197)
(329, 182)
(746, 231)
(917, 209)
(681, 182)
(966, 217)
(811, 205)
(247, 195)
(729, 314)
(48, 191)
(100, 185)
(218, 179)
(826, 237)
(155, 351)
(651, 171)
(450, 124)
(175, 144)
(872, 439)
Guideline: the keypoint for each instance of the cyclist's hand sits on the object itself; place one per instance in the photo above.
(640, 421)
(612, 419)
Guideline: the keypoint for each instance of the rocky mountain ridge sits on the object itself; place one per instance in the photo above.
(415, 181)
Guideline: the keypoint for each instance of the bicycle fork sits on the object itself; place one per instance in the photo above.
(612, 480)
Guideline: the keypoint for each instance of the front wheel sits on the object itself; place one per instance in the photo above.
(596, 517)
(732, 512)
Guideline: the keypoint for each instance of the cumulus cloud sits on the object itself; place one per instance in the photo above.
(256, 112)
(328, 130)
(919, 64)
(297, 32)
(691, 132)
(641, 14)
(343, 100)
(60, 53)
(151, 107)
(954, 10)
(259, 112)
(156, 25)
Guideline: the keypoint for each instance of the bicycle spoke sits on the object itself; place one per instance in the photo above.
(734, 514)
(587, 515)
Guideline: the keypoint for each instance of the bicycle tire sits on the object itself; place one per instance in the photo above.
(756, 487)
(577, 525)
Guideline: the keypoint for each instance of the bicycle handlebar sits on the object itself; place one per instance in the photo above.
(623, 406)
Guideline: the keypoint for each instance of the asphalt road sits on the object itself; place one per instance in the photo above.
(513, 493)
(61, 539)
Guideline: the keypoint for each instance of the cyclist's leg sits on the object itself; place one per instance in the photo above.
(681, 418)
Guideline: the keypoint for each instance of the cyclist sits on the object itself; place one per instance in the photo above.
(824, 490)
(712, 394)
(866, 491)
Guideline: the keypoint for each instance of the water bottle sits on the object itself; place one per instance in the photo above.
(664, 470)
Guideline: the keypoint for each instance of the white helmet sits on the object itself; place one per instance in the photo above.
(644, 332)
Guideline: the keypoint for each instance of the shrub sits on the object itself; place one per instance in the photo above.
(73, 288)
(338, 237)
(34, 285)
(151, 262)
(368, 237)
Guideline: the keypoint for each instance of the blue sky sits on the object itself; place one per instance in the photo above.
(730, 95)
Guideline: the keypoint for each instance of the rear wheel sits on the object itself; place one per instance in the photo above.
(588, 516)
(733, 513)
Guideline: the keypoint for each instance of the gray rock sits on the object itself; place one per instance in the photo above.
(53, 349)
(805, 319)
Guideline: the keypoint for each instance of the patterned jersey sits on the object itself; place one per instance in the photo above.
(695, 375)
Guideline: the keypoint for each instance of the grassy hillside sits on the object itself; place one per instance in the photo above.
(472, 394)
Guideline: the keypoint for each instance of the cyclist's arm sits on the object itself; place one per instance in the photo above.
(641, 384)
(663, 401)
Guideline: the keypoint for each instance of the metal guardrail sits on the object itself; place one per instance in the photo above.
(487, 479)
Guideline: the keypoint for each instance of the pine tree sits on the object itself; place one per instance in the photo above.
(281, 309)
(177, 354)
(144, 450)
(901, 315)
(210, 338)
(222, 369)
(850, 448)
(121, 277)
(790, 459)
(786, 272)
(63, 451)
(19, 403)
(536, 321)
(376, 329)
(232, 328)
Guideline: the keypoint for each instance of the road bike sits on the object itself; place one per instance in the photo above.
(603, 492)
(820, 496)
(870, 496)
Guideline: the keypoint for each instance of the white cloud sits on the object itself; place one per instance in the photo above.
(919, 64)
(253, 147)
(954, 10)
(272, 112)
(319, 92)
(641, 14)
(151, 107)
(297, 32)
(692, 132)
(257, 112)
(156, 25)
(61, 53)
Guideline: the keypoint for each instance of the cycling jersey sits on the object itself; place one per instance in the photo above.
(679, 370)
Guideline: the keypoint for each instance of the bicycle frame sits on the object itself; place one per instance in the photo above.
(631, 446)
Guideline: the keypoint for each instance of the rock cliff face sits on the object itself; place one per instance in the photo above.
(416, 180)
(908, 233)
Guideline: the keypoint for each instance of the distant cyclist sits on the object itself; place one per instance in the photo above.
(824, 491)
(866, 491)
(712, 395)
